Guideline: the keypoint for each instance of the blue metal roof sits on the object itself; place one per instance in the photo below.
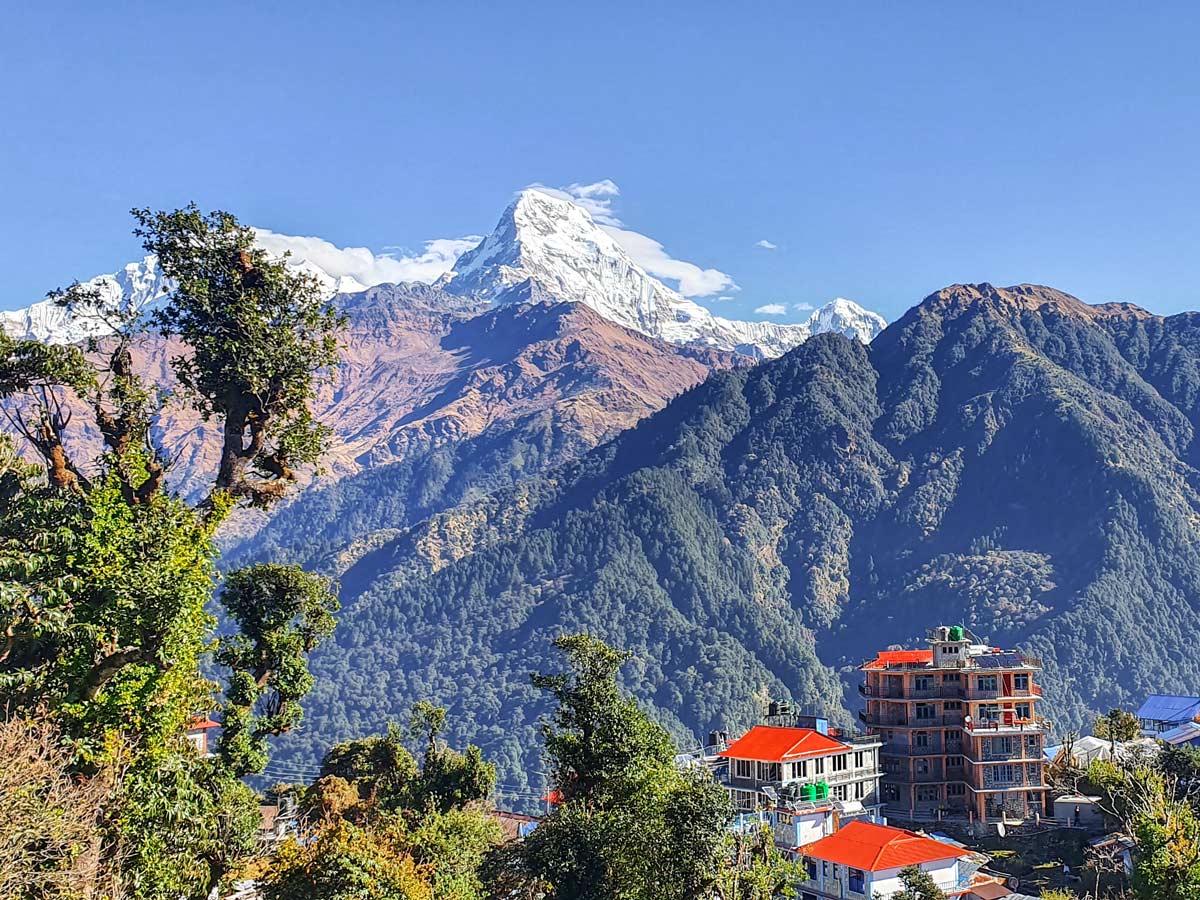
(1169, 708)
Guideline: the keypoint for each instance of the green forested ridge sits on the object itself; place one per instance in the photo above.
(1011, 459)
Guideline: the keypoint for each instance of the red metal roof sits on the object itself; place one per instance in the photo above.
(885, 658)
(873, 848)
(202, 725)
(769, 743)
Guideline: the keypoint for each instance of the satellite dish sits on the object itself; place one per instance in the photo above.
(1000, 830)
(770, 792)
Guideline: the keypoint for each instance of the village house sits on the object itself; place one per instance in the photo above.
(864, 860)
(198, 734)
(1162, 713)
(959, 728)
(804, 775)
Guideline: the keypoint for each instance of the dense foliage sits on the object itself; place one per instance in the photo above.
(106, 576)
(377, 825)
(1012, 460)
(629, 822)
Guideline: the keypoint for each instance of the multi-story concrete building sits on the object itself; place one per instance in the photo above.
(959, 728)
(799, 768)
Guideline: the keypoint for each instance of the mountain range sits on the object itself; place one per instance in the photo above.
(1009, 458)
(543, 249)
(456, 392)
(548, 439)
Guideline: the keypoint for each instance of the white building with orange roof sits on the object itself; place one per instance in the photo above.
(864, 860)
(800, 772)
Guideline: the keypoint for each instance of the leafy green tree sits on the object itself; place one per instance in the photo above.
(449, 779)
(405, 824)
(106, 573)
(377, 767)
(1117, 725)
(347, 862)
(631, 824)
(1161, 818)
(917, 884)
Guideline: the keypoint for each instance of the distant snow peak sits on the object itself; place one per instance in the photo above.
(547, 247)
(848, 318)
(135, 287)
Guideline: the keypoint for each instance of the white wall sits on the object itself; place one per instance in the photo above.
(945, 874)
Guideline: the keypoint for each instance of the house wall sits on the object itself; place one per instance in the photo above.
(833, 880)
(887, 882)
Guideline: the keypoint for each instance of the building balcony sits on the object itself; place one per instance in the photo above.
(1008, 724)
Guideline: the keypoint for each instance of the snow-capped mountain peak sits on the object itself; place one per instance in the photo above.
(546, 247)
(848, 318)
(136, 286)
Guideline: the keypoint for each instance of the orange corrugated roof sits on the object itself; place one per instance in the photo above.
(773, 744)
(873, 848)
(886, 658)
(202, 725)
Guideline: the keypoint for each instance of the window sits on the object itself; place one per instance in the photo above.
(743, 768)
(802, 769)
(954, 762)
(926, 711)
(989, 712)
(1000, 747)
(841, 762)
(952, 706)
(923, 683)
(920, 739)
(857, 881)
(922, 767)
(839, 792)
(859, 758)
(1023, 711)
(1021, 682)
(824, 868)
(955, 790)
(819, 765)
(811, 866)
(860, 790)
(986, 682)
(927, 794)
(951, 677)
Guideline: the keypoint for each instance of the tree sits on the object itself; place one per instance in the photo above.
(631, 823)
(1160, 816)
(1117, 725)
(347, 862)
(50, 829)
(373, 811)
(917, 884)
(106, 573)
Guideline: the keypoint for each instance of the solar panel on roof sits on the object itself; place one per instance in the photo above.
(997, 660)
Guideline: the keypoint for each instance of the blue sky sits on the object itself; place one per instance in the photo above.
(885, 150)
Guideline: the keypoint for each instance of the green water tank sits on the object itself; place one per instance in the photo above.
(956, 632)
(822, 790)
(808, 792)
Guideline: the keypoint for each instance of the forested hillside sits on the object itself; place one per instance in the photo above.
(1009, 458)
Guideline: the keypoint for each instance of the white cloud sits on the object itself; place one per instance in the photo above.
(597, 198)
(766, 245)
(364, 265)
(802, 307)
(772, 309)
(725, 297)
